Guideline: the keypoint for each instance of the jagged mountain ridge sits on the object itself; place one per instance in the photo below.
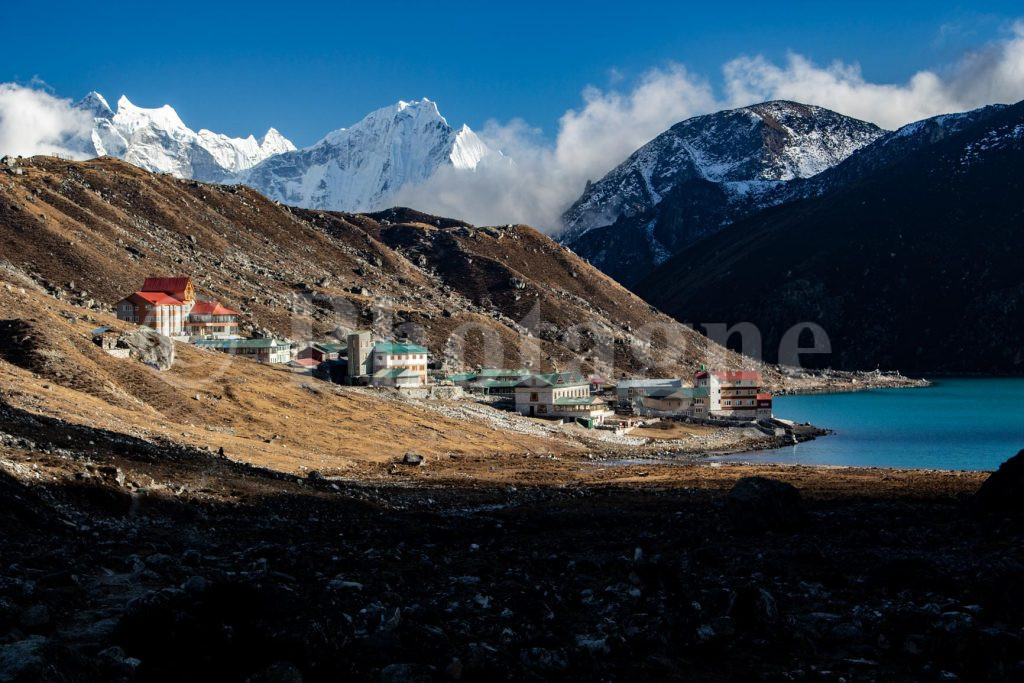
(158, 140)
(362, 167)
(915, 264)
(700, 175)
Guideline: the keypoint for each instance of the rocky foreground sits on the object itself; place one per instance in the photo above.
(128, 560)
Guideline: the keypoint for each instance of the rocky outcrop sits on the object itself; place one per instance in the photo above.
(881, 265)
(149, 347)
(1003, 492)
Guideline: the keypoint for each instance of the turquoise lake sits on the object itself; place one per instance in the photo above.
(956, 424)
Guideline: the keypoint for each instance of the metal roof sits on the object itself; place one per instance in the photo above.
(578, 401)
(240, 343)
(398, 347)
(647, 383)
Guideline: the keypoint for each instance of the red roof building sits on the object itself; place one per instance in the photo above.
(169, 306)
(180, 288)
(735, 393)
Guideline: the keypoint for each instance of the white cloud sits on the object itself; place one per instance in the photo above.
(545, 178)
(994, 73)
(32, 121)
(611, 124)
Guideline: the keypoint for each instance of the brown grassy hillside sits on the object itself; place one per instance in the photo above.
(257, 413)
(91, 231)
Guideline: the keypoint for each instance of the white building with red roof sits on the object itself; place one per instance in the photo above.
(169, 306)
(736, 394)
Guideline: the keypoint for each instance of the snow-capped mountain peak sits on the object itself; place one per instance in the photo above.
(95, 104)
(469, 150)
(702, 174)
(158, 140)
(741, 149)
(273, 142)
(361, 167)
(131, 117)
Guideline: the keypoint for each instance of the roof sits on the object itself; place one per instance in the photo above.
(764, 397)
(669, 393)
(239, 343)
(211, 308)
(398, 347)
(306, 362)
(495, 383)
(727, 374)
(156, 298)
(647, 383)
(578, 401)
(461, 377)
(168, 285)
(562, 379)
(331, 347)
(502, 372)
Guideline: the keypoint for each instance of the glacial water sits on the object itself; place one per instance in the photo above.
(956, 424)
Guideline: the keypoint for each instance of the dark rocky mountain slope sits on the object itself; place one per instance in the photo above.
(700, 175)
(916, 266)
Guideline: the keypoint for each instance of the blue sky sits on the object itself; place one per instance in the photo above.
(308, 68)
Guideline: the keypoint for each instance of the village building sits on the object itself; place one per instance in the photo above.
(359, 351)
(262, 350)
(560, 396)
(108, 340)
(303, 366)
(400, 355)
(169, 306)
(321, 352)
(491, 381)
(627, 390)
(400, 364)
(397, 378)
(735, 394)
(211, 320)
(689, 401)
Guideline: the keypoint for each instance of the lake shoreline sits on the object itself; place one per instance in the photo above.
(951, 427)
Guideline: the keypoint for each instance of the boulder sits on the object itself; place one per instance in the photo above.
(148, 346)
(1001, 492)
(763, 504)
(411, 458)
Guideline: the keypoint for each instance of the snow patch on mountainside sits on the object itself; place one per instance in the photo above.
(659, 252)
(754, 147)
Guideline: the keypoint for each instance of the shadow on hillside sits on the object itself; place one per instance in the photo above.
(403, 583)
